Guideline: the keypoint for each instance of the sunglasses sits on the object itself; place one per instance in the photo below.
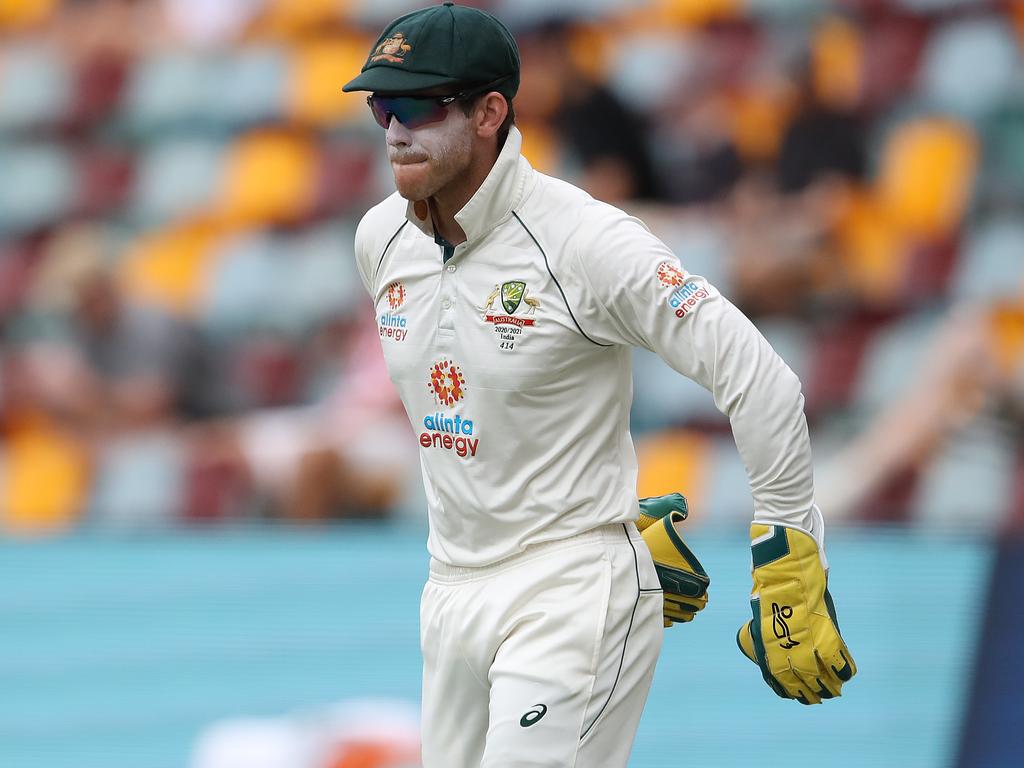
(417, 111)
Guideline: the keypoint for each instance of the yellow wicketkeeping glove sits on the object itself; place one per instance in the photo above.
(794, 635)
(683, 579)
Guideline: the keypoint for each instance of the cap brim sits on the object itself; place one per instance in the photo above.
(382, 79)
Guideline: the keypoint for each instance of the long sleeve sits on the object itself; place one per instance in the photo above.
(636, 292)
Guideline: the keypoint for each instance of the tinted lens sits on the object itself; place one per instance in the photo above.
(409, 111)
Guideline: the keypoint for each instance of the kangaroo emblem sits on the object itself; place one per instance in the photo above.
(489, 304)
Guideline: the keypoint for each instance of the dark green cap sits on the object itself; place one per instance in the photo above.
(445, 44)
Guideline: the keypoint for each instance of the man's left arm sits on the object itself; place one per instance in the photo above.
(640, 294)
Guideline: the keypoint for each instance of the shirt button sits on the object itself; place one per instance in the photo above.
(446, 304)
(450, 267)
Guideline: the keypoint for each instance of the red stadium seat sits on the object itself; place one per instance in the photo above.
(98, 87)
(836, 363)
(105, 179)
(344, 177)
(214, 490)
(17, 262)
(269, 372)
(929, 270)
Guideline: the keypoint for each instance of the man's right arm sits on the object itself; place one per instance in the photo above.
(645, 298)
(363, 238)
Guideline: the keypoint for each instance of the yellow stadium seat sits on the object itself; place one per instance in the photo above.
(874, 253)
(759, 119)
(271, 178)
(167, 268)
(318, 71)
(295, 18)
(590, 47)
(17, 14)
(45, 481)
(926, 176)
(674, 461)
(540, 146)
(689, 13)
(837, 63)
(1007, 324)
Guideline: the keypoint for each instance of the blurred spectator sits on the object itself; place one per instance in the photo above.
(705, 163)
(139, 366)
(826, 135)
(603, 137)
(349, 454)
(973, 370)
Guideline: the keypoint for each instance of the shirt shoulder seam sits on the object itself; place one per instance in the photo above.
(558, 285)
(384, 252)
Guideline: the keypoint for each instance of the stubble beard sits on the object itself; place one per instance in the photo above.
(447, 160)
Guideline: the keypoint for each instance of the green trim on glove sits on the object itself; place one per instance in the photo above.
(683, 579)
(768, 551)
(793, 635)
(654, 508)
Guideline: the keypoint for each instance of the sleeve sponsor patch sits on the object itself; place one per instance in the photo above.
(687, 291)
(687, 296)
(670, 275)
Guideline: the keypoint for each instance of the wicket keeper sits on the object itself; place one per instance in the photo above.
(508, 303)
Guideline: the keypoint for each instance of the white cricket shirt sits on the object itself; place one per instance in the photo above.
(513, 361)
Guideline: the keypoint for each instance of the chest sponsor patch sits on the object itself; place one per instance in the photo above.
(447, 383)
(447, 431)
(391, 323)
(510, 308)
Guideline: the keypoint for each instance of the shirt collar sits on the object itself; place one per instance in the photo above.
(502, 190)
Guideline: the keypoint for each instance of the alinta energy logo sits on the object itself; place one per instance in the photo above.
(449, 432)
(396, 295)
(390, 324)
(447, 383)
(669, 275)
(686, 294)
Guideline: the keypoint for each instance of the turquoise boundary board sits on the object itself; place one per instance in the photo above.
(115, 651)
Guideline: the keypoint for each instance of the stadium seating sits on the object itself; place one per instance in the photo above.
(227, 171)
(35, 87)
(36, 187)
(177, 178)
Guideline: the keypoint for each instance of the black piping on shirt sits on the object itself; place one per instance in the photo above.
(557, 284)
(385, 251)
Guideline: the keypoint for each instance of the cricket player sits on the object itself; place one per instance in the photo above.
(507, 303)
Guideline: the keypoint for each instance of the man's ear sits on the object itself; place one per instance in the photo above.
(489, 114)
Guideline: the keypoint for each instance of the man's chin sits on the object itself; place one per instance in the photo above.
(412, 195)
(412, 181)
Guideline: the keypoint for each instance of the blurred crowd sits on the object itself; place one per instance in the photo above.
(184, 337)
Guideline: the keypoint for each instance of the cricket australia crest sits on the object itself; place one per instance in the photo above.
(512, 294)
(393, 49)
(519, 310)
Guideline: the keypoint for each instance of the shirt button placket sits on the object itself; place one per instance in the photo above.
(449, 290)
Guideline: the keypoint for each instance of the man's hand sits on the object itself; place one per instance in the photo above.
(794, 635)
(682, 577)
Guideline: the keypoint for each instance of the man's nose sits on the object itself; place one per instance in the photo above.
(397, 135)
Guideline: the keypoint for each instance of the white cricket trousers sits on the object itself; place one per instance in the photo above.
(544, 659)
